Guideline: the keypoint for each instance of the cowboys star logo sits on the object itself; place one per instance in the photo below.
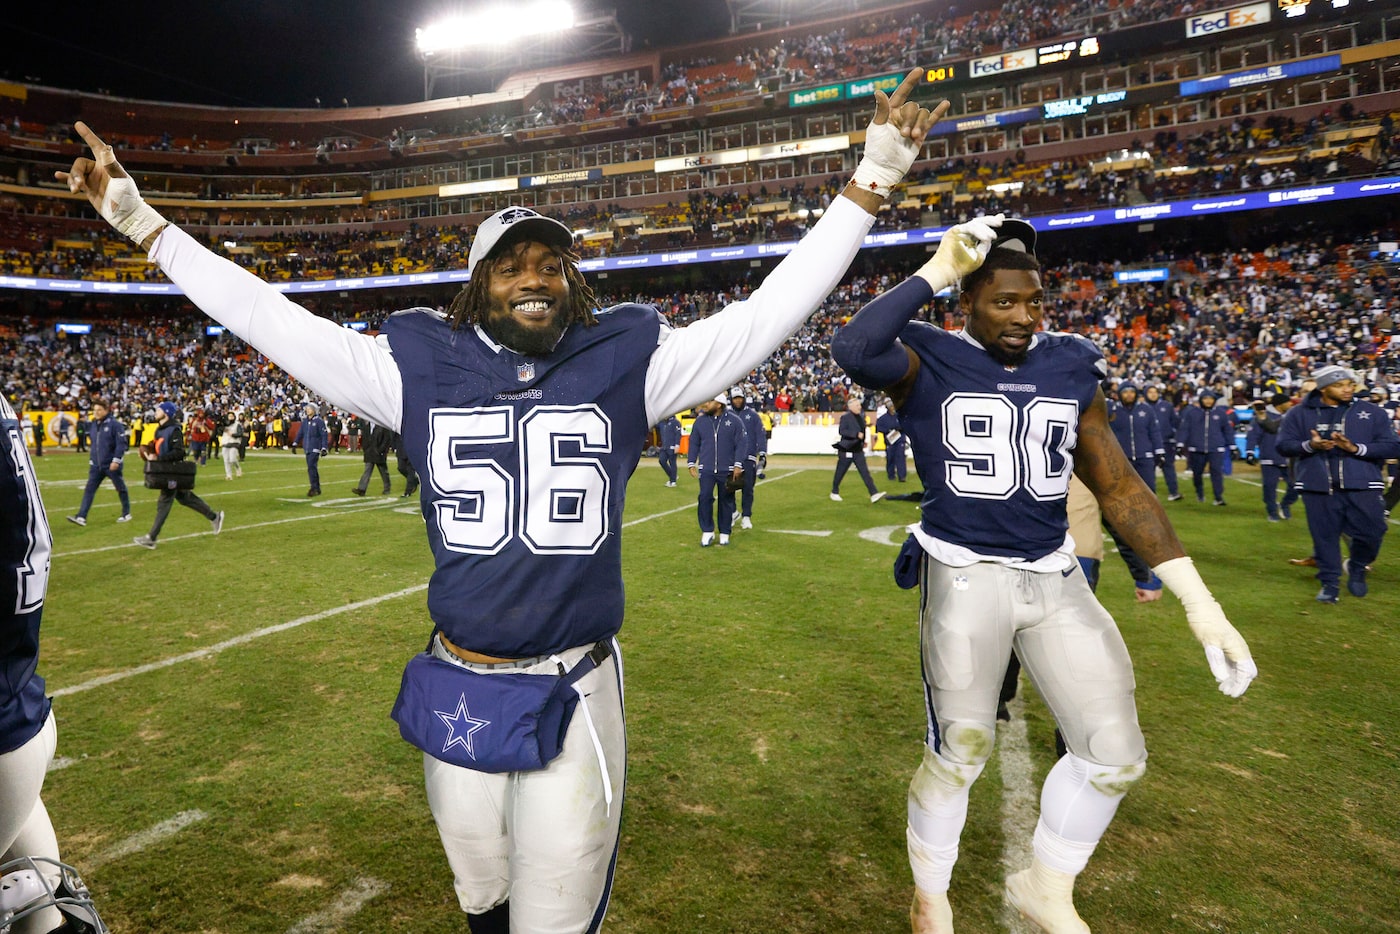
(455, 721)
(516, 214)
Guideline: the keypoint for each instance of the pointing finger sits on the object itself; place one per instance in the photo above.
(882, 107)
(906, 87)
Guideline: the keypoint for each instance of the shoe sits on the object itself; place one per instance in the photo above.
(723, 539)
(1356, 579)
(1174, 497)
(218, 522)
(410, 490)
(706, 539)
(1220, 502)
(1284, 511)
(77, 520)
(745, 523)
(1200, 498)
(1329, 593)
(835, 498)
(387, 491)
(1275, 519)
(310, 492)
(145, 541)
(357, 491)
(1003, 714)
(670, 483)
(125, 518)
(876, 497)
(1047, 898)
(1308, 562)
(735, 517)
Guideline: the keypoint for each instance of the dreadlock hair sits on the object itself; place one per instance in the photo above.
(469, 305)
(998, 259)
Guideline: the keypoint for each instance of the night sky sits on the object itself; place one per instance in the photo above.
(269, 53)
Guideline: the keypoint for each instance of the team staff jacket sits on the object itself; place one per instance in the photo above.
(850, 428)
(1263, 436)
(888, 425)
(1167, 420)
(757, 438)
(718, 443)
(1206, 430)
(994, 444)
(25, 545)
(313, 436)
(523, 458)
(108, 440)
(169, 443)
(1365, 423)
(669, 431)
(1136, 429)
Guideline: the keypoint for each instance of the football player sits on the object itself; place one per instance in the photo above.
(37, 892)
(524, 411)
(999, 415)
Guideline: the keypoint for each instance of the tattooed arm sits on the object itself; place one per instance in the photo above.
(1127, 503)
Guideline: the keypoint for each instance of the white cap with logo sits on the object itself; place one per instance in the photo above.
(520, 224)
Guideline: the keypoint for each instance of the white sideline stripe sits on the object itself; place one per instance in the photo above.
(1020, 802)
(232, 528)
(690, 507)
(61, 763)
(814, 534)
(342, 909)
(139, 841)
(235, 641)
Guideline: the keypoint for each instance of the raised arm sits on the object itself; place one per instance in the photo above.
(343, 366)
(695, 362)
(1136, 514)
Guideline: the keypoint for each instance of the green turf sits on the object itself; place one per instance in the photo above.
(774, 714)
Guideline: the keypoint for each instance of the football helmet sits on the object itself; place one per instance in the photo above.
(27, 887)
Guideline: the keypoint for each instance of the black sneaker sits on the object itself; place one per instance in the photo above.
(145, 541)
(1356, 579)
(1328, 594)
(1220, 502)
(357, 491)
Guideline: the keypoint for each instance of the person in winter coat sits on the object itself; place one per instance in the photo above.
(718, 446)
(169, 446)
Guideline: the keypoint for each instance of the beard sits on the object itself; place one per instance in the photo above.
(531, 342)
(1007, 359)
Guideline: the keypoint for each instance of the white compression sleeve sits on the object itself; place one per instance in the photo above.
(346, 368)
(695, 362)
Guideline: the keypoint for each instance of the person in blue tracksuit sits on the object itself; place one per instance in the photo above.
(1262, 438)
(315, 440)
(109, 444)
(896, 445)
(1135, 426)
(755, 458)
(670, 431)
(718, 446)
(1341, 444)
(1207, 433)
(1167, 421)
(169, 445)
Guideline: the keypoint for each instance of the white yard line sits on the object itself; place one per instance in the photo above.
(690, 506)
(139, 841)
(1020, 802)
(235, 641)
(346, 905)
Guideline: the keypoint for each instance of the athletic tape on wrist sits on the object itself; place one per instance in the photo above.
(124, 208)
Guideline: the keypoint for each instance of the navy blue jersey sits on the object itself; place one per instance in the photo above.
(524, 463)
(25, 544)
(993, 444)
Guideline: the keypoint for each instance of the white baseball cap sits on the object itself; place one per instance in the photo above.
(520, 224)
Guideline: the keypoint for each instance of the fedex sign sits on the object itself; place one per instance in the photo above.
(1255, 14)
(997, 64)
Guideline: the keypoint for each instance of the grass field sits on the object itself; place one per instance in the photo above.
(226, 762)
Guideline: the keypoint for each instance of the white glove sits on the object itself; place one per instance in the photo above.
(888, 157)
(1226, 651)
(962, 249)
(125, 209)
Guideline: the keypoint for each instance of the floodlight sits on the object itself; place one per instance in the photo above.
(495, 26)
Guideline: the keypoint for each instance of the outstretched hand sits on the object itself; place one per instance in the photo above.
(111, 190)
(908, 118)
(893, 140)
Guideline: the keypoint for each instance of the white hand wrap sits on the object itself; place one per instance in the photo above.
(888, 156)
(1226, 651)
(962, 249)
(124, 209)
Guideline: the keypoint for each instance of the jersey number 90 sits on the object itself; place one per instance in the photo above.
(996, 448)
(553, 493)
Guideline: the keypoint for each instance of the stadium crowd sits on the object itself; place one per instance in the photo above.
(1246, 324)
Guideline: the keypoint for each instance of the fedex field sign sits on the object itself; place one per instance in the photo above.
(1255, 14)
(997, 64)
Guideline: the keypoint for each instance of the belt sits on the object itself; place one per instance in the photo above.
(600, 651)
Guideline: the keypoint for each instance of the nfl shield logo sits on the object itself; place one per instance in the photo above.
(525, 372)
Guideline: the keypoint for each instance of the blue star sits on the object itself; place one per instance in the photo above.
(455, 720)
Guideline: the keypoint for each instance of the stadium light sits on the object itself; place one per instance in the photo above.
(495, 26)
